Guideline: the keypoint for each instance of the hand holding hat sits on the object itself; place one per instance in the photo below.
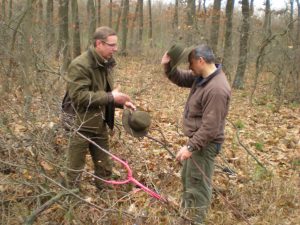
(175, 55)
(136, 123)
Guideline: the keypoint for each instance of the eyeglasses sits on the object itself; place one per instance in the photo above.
(112, 45)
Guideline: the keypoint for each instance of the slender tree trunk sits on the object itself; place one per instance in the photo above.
(76, 29)
(10, 6)
(40, 10)
(99, 13)
(298, 24)
(175, 20)
(63, 35)
(110, 13)
(214, 32)
(124, 27)
(91, 18)
(3, 10)
(199, 6)
(291, 15)
(267, 20)
(150, 23)
(238, 82)
(141, 23)
(191, 11)
(27, 58)
(49, 24)
(132, 39)
(227, 55)
(251, 7)
(119, 16)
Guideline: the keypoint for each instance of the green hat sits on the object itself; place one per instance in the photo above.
(136, 123)
(177, 54)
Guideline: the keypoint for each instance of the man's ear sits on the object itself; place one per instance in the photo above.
(98, 42)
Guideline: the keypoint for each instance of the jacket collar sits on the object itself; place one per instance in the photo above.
(99, 61)
(200, 81)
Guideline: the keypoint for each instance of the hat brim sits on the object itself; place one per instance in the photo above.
(181, 58)
(125, 118)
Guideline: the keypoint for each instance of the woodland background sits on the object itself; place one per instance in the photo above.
(257, 173)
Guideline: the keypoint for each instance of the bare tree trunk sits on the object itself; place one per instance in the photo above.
(49, 24)
(190, 20)
(76, 29)
(40, 10)
(240, 73)
(298, 25)
(251, 7)
(214, 32)
(99, 13)
(27, 56)
(63, 35)
(227, 56)
(110, 13)
(175, 20)
(10, 7)
(150, 23)
(267, 20)
(191, 12)
(119, 16)
(291, 16)
(124, 27)
(132, 41)
(141, 23)
(199, 6)
(91, 18)
(3, 10)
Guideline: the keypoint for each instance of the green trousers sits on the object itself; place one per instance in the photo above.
(79, 147)
(196, 177)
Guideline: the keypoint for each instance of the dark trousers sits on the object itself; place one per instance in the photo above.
(79, 147)
(197, 188)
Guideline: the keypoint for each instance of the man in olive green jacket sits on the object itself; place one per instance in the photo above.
(90, 99)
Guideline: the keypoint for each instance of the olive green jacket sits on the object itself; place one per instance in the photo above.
(89, 86)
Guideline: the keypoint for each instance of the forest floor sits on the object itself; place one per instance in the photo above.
(33, 151)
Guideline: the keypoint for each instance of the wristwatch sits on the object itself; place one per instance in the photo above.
(190, 148)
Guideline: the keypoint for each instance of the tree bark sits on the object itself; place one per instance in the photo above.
(3, 10)
(99, 13)
(227, 56)
(63, 34)
(267, 19)
(91, 18)
(75, 29)
(175, 20)
(238, 82)
(124, 27)
(49, 24)
(150, 23)
(132, 39)
(214, 32)
(10, 8)
(119, 16)
(110, 13)
(298, 24)
(141, 22)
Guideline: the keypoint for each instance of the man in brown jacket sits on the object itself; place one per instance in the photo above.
(203, 122)
(91, 99)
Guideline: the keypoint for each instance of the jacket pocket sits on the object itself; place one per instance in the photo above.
(90, 120)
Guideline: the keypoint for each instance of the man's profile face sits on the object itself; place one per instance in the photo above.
(196, 65)
(107, 47)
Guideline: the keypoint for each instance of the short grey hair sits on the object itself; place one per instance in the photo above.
(203, 51)
(102, 33)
